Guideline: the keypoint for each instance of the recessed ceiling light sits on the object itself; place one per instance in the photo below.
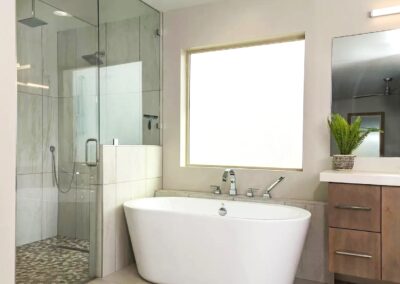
(61, 13)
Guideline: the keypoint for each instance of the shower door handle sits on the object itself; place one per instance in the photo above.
(91, 164)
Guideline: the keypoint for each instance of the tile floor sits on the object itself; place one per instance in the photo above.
(129, 275)
(48, 261)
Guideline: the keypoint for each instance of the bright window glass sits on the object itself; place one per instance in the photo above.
(246, 106)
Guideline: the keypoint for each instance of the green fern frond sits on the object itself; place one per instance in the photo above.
(348, 137)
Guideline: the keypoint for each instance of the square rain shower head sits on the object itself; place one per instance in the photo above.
(33, 22)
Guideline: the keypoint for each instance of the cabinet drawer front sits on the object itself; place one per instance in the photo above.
(355, 253)
(353, 206)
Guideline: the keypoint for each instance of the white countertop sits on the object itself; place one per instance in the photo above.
(361, 177)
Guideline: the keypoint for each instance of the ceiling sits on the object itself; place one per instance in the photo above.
(166, 5)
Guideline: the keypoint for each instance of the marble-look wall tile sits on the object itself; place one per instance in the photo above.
(86, 44)
(83, 213)
(138, 189)
(151, 102)
(152, 185)
(29, 51)
(83, 180)
(66, 42)
(96, 238)
(109, 226)
(66, 134)
(29, 140)
(24, 9)
(108, 164)
(50, 61)
(29, 209)
(67, 211)
(151, 106)
(50, 132)
(151, 136)
(50, 207)
(122, 41)
(153, 162)
(123, 251)
(150, 51)
(131, 163)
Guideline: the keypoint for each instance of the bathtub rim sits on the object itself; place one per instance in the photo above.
(307, 214)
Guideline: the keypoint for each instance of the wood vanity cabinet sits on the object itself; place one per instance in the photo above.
(391, 234)
(364, 231)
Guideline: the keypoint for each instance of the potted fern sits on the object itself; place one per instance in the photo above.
(348, 137)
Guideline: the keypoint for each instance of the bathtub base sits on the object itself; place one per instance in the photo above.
(174, 248)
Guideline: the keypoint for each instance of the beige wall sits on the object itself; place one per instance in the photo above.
(236, 21)
(8, 132)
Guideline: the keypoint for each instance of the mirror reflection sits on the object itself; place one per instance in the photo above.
(366, 83)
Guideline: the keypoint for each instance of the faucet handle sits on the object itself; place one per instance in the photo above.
(250, 191)
(216, 189)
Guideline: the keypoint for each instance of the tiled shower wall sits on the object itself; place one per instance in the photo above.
(126, 41)
(37, 197)
(128, 172)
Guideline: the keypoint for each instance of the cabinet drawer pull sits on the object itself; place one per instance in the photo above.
(353, 254)
(352, 207)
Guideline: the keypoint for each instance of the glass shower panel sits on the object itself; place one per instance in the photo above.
(78, 135)
(130, 75)
(58, 133)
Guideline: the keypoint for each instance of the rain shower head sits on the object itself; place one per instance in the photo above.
(94, 59)
(33, 22)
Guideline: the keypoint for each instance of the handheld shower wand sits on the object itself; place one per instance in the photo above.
(53, 155)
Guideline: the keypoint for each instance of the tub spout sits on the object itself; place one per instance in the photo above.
(232, 179)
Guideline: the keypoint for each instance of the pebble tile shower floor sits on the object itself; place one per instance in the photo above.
(48, 261)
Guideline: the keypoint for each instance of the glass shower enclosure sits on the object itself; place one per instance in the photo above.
(88, 75)
(58, 139)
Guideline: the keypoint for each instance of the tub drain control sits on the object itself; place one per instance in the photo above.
(222, 211)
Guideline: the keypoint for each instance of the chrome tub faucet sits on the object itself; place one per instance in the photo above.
(232, 178)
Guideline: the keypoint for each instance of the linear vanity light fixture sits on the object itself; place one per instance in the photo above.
(33, 85)
(23, 67)
(385, 11)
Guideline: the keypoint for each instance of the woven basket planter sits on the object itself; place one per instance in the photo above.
(343, 162)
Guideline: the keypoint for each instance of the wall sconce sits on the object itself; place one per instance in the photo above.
(385, 11)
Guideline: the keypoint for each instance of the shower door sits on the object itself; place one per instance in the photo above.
(58, 133)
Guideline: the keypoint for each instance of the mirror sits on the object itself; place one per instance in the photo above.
(366, 83)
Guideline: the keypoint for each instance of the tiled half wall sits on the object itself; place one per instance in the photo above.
(127, 172)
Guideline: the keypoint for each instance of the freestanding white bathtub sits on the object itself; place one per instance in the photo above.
(179, 240)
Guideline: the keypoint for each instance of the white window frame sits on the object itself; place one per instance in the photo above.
(185, 101)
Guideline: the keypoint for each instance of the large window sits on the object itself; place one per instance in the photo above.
(245, 105)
